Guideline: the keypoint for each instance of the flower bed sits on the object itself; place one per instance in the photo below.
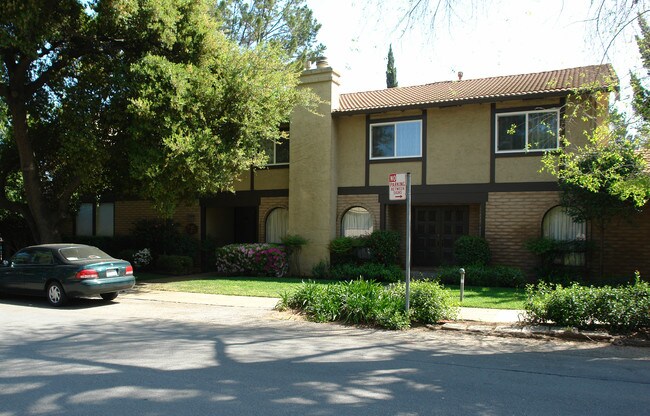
(254, 259)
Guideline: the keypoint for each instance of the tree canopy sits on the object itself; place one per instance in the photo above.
(146, 97)
(287, 23)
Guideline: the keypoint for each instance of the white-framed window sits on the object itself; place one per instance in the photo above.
(95, 219)
(399, 139)
(558, 225)
(523, 131)
(356, 221)
(278, 152)
(277, 223)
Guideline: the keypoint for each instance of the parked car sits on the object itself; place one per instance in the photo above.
(64, 271)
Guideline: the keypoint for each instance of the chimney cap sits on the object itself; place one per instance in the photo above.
(460, 75)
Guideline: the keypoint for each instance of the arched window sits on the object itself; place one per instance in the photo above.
(558, 225)
(356, 222)
(277, 223)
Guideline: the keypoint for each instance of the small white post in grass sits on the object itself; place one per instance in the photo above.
(462, 284)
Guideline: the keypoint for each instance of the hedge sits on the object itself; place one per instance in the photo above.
(619, 308)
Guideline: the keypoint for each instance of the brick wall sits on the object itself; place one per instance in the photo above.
(512, 218)
(266, 206)
(127, 213)
(369, 202)
(627, 246)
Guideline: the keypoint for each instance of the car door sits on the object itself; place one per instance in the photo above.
(36, 273)
(12, 275)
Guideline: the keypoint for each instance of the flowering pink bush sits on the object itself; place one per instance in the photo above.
(259, 259)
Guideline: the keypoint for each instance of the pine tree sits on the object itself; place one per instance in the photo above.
(641, 99)
(391, 71)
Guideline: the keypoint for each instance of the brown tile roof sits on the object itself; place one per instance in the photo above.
(481, 90)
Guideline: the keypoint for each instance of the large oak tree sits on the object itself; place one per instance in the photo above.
(129, 96)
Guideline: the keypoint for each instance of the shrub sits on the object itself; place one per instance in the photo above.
(321, 270)
(384, 246)
(625, 307)
(174, 264)
(472, 251)
(344, 249)
(487, 276)
(368, 271)
(367, 302)
(163, 237)
(431, 303)
(257, 259)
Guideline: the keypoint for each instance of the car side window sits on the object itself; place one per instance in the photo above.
(42, 257)
(22, 257)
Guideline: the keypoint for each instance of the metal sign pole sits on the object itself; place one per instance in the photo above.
(408, 240)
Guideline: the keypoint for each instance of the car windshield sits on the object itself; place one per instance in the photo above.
(83, 253)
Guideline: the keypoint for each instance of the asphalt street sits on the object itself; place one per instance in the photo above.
(168, 357)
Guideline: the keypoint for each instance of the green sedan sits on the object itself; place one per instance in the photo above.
(64, 271)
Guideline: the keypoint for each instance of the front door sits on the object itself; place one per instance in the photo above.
(435, 229)
(245, 225)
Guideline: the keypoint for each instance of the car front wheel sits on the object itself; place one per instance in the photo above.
(56, 295)
(109, 296)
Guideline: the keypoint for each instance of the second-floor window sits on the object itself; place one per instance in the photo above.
(278, 152)
(399, 139)
(527, 131)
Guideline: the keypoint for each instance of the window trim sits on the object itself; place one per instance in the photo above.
(526, 113)
(395, 123)
(272, 158)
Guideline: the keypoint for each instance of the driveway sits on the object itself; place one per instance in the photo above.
(174, 357)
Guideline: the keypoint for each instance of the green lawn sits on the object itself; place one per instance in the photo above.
(475, 297)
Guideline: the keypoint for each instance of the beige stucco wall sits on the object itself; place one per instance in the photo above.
(458, 145)
(243, 182)
(313, 175)
(351, 150)
(520, 169)
(276, 178)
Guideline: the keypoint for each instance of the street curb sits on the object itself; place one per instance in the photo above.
(539, 331)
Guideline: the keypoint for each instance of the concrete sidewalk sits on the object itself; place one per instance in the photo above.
(141, 292)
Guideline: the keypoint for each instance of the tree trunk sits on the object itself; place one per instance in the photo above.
(601, 255)
(44, 227)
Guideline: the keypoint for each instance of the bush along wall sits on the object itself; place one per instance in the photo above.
(259, 259)
(488, 276)
(616, 308)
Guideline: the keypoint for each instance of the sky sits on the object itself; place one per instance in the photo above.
(483, 38)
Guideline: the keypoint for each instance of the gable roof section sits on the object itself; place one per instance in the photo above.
(540, 84)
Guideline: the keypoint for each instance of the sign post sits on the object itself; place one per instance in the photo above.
(399, 189)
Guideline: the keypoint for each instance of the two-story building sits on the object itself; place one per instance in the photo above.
(473, 148)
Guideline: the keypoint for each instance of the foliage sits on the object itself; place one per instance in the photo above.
(551, 253)
(472, 251)
(367, 302)
(293, 243)
(351, 271)
(142, 258)
(173, 264)
(431, 302)
(487, 276)
(384, 246)
(140, 97)
(391, 71)
(288, 23)
(345, 249)
(641, 97)
(163, 237)
(625, 307)
(260, 259)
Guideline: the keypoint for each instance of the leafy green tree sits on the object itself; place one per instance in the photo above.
(141, 96)
(641, 99)
(288, 23)
(391, 71)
